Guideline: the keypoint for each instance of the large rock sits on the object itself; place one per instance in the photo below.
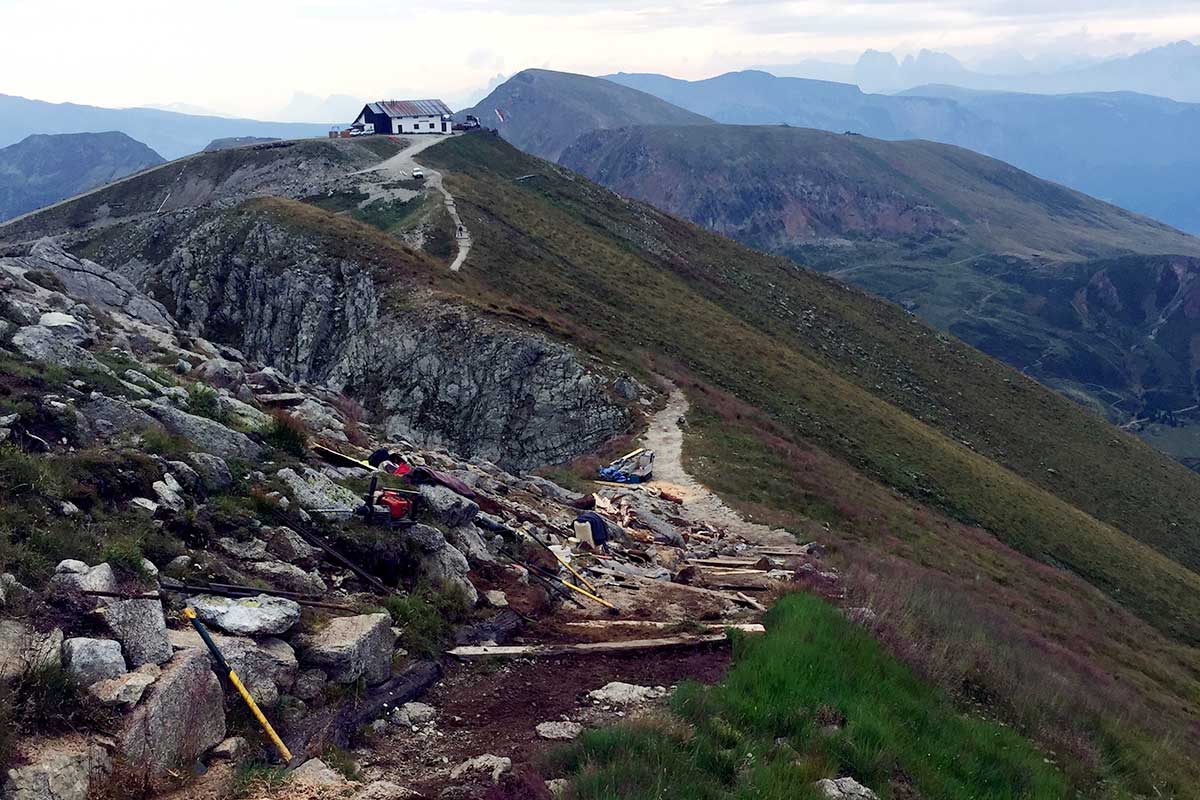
(289, 577)
(467, 540)
(620, 693)
(182, 717)
(316, 772)
(312, 490)
(66, 327)
(43, 344)
(222, 373)
(268, 667)
(287, 545)
(109, 417)
(62, 770)
(206, 434)
(140, 628)
(436, 561)
(90, 660)
(213, 471)
(348, 648)
(77, 576)
(263, 615)
(448, 506)
(242, 415)
(23, 649)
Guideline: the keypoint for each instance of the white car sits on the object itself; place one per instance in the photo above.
(418, 173)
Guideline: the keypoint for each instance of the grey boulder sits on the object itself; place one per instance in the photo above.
(88, 661)
(312, 491)
(213, 471)
(448, 506)
(140, 627)
(263, 615)
(206, 434)
(349, 648)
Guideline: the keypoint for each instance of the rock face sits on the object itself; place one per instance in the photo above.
(141, 629)
(180, 719)
(90, 660)
(441, 375)
(348, 648)
(247, 616)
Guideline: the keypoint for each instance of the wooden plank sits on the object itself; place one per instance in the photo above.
(744, 627)
(750, 601)
(537, 650)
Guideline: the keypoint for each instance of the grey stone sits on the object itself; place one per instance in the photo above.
(559, 730)
(65, 327)
(619, 693)
(187, 477)
(42, 344)
(253, 550)
(496, 598)
(144, 504)
(287, 545)
(447, 506)
(316, 772)
(385, 790)
(267, 667)
(100, 287)
(263, 615)
(213, 471)
(289, 577)
(437, 561)
(143, 380)
(312, 490)
(309, 684)
(235, 749)
(22, 648)
(100, 578)
(222, 373)
(63, 772)
(467, 540)
(140, 627)
(180, 719)
(124, 691)
(206, 434)
(90, 660)
(493, 765)
(844, 789)
(348, 648)
(168, 493)
(109, 417)
(413, 715)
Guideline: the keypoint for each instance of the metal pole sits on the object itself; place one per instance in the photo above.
(190, 614)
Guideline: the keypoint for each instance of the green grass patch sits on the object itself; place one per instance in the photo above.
(427, 616)
(759, 733)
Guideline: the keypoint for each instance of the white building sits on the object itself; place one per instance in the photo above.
(405, 116)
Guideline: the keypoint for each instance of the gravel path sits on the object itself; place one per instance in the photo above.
(665, 438)
(401, 166)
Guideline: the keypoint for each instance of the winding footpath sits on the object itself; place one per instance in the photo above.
(401, 166)
(665, 437)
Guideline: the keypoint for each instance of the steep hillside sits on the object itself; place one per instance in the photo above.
(1000, 258)
(1130, 149)
(169, 133)
(542, 112)
(40, 170)
(1027, 557)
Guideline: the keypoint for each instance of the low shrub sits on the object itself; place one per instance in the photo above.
(427, 615)
(203, 401)
(287, 433)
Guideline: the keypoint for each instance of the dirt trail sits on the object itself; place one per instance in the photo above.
(665, 438)
(401, 166)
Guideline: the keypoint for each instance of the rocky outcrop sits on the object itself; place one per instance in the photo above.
(140, 628)
(443, 376)
(57, 770)
(206, 434)
(267, 667)
(436, 561)
(152, 742)
(90, 660)
(349, 648)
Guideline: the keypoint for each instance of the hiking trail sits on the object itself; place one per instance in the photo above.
(665, 437)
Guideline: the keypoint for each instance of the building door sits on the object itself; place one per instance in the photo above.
(443, 126)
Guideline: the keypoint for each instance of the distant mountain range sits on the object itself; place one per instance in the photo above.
(1089, 298)
(1130, 149)
(169, 133)
(1171, 71)
(43, 169)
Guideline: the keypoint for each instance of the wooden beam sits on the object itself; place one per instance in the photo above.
(632, 645)
(744, 627)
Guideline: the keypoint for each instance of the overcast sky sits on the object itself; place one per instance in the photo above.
(249, 57)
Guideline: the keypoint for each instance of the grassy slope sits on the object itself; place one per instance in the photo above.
(758, 734)
(831, 364)
(917, 448)
(704, 172)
